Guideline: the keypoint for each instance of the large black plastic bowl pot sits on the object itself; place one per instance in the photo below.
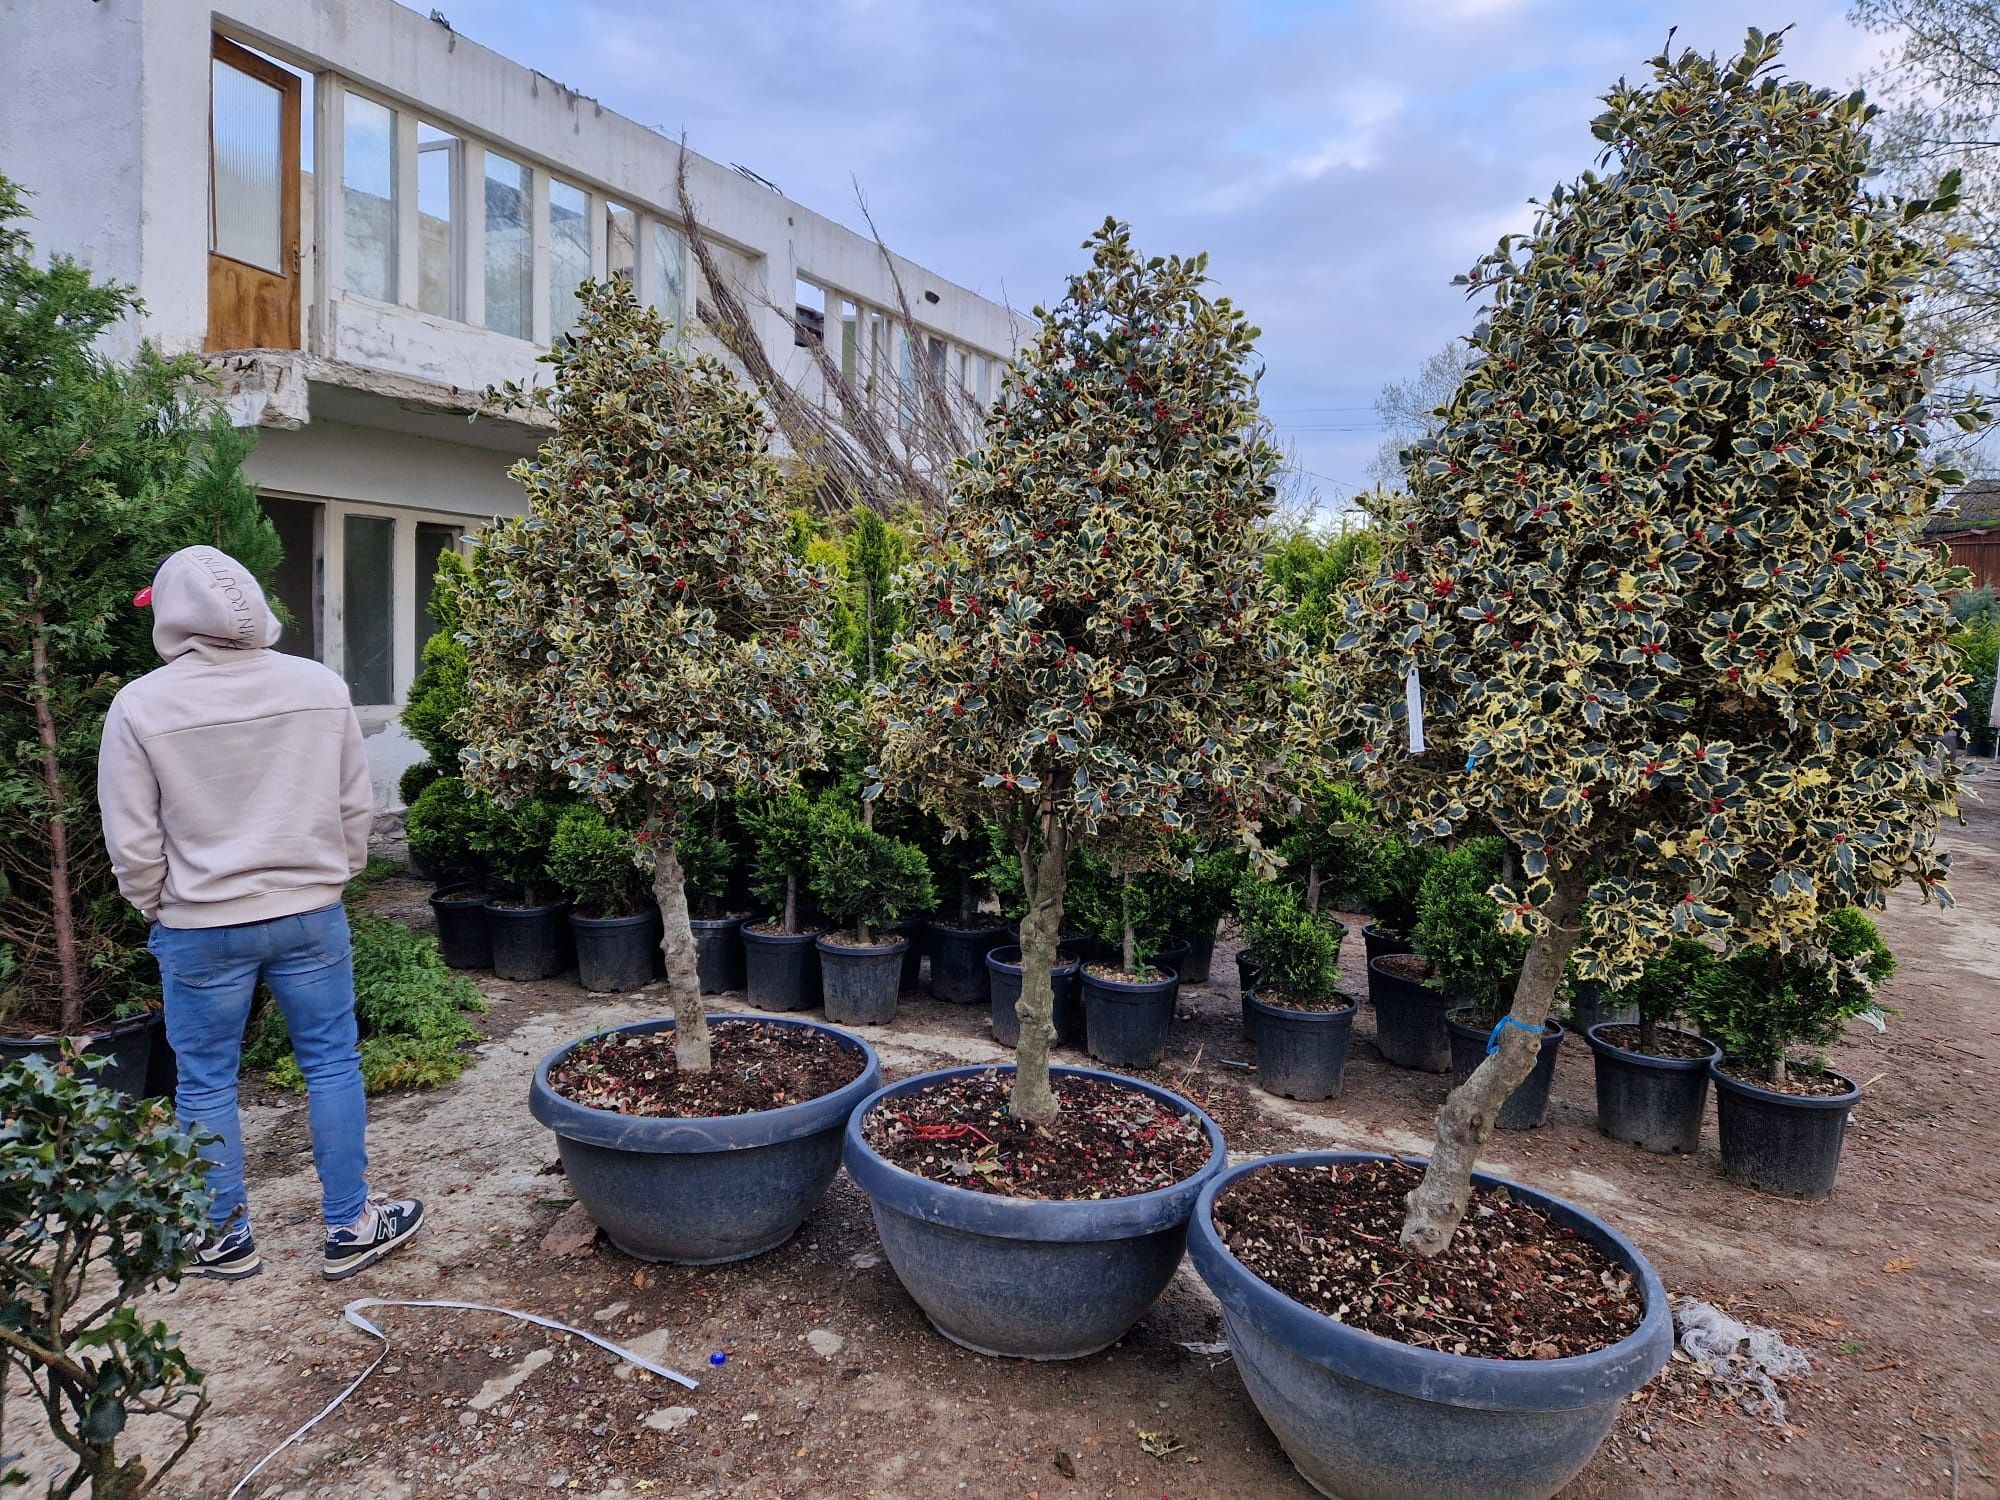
(860, 984)
(1368, 1418)
(1781, 1143)
(781, 969)
(615, 954)
(1528, 1106)
(1301, 1054)
(1027, 1278)
(1126, 1023)
(718, 953)
(701, 1191)
(1003, 970)
(1654, 1103)
(1409, 1020)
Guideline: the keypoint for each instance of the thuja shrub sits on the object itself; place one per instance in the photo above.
(1660, 573)
(1474, 956)
(642, 636)
(1093, 652)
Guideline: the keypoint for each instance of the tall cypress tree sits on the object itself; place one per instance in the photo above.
(1093, 653)
(1661, 575)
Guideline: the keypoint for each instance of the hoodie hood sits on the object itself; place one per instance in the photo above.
(204, 599)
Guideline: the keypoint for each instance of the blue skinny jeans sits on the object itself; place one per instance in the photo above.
(210, 977)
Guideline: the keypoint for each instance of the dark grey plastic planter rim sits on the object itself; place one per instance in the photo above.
(1044, 1220)
(110, 1031)
(657, 1135)
(1763, 1095)
(864, 950)
(1012, 966)
(1581, 1380)
(1264, 1007)
(1552, 1029)
(1653, 1060)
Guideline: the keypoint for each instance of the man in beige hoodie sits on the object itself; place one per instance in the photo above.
(236, 804)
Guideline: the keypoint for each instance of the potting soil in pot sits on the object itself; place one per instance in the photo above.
(1800, 1081)
(754, 1068)
(1108, 1142)
(1668, 1043)
(1511, 1285)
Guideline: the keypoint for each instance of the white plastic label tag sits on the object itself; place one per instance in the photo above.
(1413, 703)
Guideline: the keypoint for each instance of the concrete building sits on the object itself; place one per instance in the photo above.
(365, 219)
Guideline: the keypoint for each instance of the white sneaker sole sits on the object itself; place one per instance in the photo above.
(341, 1270)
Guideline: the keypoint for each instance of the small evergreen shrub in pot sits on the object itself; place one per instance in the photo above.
(1476, 963)
(1652, 1077)
(1781, 1112)
(614, 921)
(1191, 901)
(1128, 985)
(1391, 878)
(709, 867)
(864, 881)
(958, 938)
(780, 957)
(1328, 847)
(443, 824)
(524, 912)
(1301, 1022)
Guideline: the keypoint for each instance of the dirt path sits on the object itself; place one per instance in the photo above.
(1893, 1284)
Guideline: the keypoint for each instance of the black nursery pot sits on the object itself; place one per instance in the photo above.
(912, 932)
(1369, 1418)
(1377, 943)
(698, 1191)
(1788, 1144)
(1127, 1023)
(1528, 1106)
(1197, 966)
(1301, 1054)
(464, 939)
(781, 969)
(1172, 953)
(1003, 973)
(1409, 1020)
(127, 1047)
(718, 953)
(860, 983)
(1654, 1103)
(527, 940)
(1588, 1006)
(1027, 1278)
(1249, 972)
(615, 953)
(958, 960)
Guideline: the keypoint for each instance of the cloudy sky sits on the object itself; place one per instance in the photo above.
(1340, 160)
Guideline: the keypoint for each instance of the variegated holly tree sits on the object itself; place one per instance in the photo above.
(642, 636)
(1661, 574)
(1093, 652)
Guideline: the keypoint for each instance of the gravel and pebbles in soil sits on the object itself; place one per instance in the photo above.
(754, 1067)
(1107, 1142)
(1666, 1042)
(1511, 1285)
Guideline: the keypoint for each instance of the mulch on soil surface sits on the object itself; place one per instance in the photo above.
(1406, 966)
(1803, 1082)
(1510, 1286)
(1322, 1005)
(754, 1068)
(1118, 975)
(852, 939)
(1108, 1142)
(1667, 1044)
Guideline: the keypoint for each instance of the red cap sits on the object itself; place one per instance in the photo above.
(144, 598)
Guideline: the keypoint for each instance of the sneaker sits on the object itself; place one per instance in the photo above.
(383, 1229)
(231, 1257)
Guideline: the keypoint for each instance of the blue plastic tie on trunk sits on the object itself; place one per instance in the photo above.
(1493, 1037)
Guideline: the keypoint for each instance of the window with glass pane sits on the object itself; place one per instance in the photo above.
(437, 221)
(510, 248)
(296, 582)
(367, 608)
(433, 541)
(247, 210)
(850, 340)
(878, 356)
(368, 199)
(670, 273)
(569, 252)
(621, 241)
(906, 369)
(985, 374)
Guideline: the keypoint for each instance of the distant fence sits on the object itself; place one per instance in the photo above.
(1980, 553)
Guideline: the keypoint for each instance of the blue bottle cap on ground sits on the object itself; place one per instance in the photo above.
(718, 1358)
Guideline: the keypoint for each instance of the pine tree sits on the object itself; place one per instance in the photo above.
(1093, 652)
(106, 466)
(1661, 574)
(643, 636)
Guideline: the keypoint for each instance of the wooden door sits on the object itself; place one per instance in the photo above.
(253, 202)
